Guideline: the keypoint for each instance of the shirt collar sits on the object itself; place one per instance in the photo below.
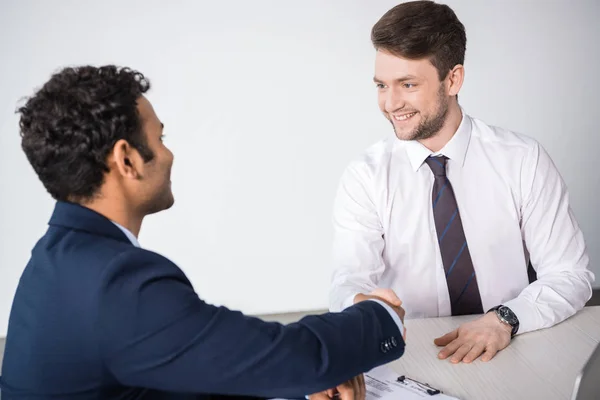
(455, 149)
(129, 235)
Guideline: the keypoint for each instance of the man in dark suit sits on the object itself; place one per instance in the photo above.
(97, 317)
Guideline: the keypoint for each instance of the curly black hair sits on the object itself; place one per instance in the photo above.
(72, 123)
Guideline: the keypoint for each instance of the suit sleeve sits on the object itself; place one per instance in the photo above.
(155, 332)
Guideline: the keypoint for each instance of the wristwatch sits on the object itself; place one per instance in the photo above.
(505, 315)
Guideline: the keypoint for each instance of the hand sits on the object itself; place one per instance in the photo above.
(487, 335)
(387, 296)
(354, 389)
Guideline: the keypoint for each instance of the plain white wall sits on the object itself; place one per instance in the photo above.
(265, 102)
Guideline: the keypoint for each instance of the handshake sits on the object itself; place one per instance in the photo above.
(355, 389)
(389, 297)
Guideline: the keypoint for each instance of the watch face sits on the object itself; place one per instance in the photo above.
(508, 315)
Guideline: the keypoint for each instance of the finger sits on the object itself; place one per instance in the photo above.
(400, 312)
(447, 338)
(461, 353)
(331, 392)
(475, 352)
(450, 348)
(490, 352)
(319, 396)
(362, 393)
(346, 391)
(356, 387)
(389, 295)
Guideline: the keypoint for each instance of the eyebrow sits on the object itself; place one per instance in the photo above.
(402, 79)
(162, 126)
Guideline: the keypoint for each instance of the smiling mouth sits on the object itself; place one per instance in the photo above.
(404, 117)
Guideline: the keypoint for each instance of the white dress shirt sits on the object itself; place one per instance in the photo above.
(129, 235)
(514, 207)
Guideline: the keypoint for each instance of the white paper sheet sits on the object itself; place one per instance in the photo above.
(382, 384)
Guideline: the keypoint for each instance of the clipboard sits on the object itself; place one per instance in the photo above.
(382, 383)
(425, 387)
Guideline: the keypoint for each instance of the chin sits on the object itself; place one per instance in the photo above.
(168, 203)
(404, 135)
(161, 205)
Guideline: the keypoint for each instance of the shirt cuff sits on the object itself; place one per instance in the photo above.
(349, 301)
(393, 314)
(526, 312)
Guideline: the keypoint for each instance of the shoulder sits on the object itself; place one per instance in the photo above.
(519, 150)
(374, 158)
(501, 138)
(375, 155)
(140, 264)
(515, 153)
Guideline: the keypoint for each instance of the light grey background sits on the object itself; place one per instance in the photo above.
(265, 102)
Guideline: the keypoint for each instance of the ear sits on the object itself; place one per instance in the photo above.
(456, 78)
(126, 159)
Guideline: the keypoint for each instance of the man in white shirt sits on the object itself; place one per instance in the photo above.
(448, 214)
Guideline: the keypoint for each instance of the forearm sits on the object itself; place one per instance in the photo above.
(343, 294)
(358, 240)
(552, 299)
(234, 354)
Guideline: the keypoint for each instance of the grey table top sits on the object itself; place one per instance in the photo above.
(536, 365)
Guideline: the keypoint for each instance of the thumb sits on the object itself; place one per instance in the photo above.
(388, 295)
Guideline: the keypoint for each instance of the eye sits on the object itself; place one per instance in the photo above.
(162, 137)
(380, 86)
(409, 85)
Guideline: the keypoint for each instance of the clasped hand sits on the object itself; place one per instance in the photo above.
(354, 389)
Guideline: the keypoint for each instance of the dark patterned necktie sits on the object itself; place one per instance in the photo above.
(460, 275)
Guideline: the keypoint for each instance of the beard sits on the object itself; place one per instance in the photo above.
(430, 125)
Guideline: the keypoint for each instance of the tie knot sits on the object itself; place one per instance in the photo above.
(437, 165)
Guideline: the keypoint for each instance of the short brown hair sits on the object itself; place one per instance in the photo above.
(422, 29)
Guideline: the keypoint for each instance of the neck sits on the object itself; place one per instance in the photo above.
(439, 140)
(117, 212)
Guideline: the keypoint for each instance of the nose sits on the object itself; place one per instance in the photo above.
(393, 100)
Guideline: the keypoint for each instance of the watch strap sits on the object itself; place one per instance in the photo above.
(515, 327)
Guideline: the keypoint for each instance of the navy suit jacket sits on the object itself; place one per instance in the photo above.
(95, 317)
